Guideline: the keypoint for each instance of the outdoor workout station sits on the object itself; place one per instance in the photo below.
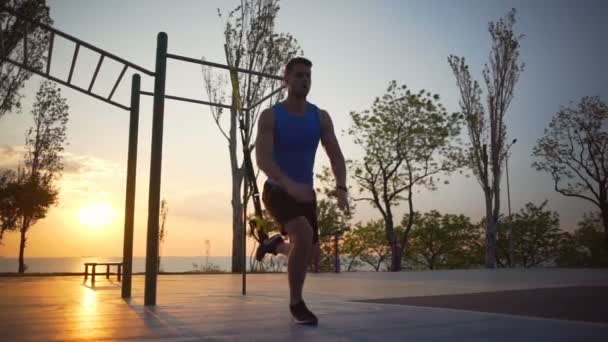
(159, 95)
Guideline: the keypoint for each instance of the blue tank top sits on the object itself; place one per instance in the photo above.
(296, 139)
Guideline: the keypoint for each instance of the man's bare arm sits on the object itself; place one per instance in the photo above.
(332, 148)
(264, 149)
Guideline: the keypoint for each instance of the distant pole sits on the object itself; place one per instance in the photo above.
(127, 251)
(155, 169)
(511, 242)
(337, 253)
(508, 187)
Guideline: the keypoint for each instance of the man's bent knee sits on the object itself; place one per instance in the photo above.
(299, 230)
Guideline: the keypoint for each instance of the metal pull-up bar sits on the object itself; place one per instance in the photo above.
(157, 130)
(156, 155)
(221, 66)
(31, 24)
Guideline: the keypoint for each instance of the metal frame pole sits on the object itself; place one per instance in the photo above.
(127, 255)
(155, 170)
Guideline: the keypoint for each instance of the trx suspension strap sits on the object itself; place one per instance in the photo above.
(257, 224)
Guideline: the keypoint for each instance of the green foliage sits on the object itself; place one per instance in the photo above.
(367, 243)
(409, 140)
(536, 236)
(488, 149)
(13, 30)
(585, 247)
(23, 197)
(206, 268)
(9, 204)
(252, 43)
(574, 151)
(443, 241)
(333, 222)
(34, 185)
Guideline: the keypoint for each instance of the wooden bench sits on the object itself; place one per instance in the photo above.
(95, 264)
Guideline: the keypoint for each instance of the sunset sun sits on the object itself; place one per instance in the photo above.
(96, 215)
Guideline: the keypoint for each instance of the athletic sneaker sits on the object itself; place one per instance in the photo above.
(301, 314)
(268, 246)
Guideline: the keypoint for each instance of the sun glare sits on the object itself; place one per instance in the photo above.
(96, 215)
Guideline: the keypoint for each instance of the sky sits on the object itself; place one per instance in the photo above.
(356, 47)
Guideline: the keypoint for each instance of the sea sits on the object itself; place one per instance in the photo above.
(76, 264)
(168, 264)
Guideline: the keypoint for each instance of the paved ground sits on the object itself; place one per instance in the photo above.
(211, 308)
(576, 303)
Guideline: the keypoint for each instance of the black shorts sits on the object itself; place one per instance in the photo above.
(283, 208)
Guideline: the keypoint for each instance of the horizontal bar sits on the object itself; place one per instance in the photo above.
(122, 73)
(76, 40)
(222, 66)
(50, 54)
(177, 98)
(73, 62)
(274, 92)
(52, 78)
(96, 72)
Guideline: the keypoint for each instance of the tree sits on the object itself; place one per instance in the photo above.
(164, 210)
(12, 77)
(443, 241)
(574, 150)
(43, 160)
(408, 140)
(585, 247)
(536, 236)
(487, 131)
(367, 243)
(9, 206)
(253, 44)
(331, 229)
(333, 223)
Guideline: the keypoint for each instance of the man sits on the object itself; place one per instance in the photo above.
(288, 136)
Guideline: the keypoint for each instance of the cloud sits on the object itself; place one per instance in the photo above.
(85, 175)
(11, 156)
(90, 166)
(201, 205)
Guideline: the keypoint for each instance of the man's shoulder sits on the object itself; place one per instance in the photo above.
(267, 116)
(323, 114)
(268, 112)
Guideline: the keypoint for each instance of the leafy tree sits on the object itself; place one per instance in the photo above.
(367, 243)
(12, 77)
(251, 43)
(536, 236)
(585, 247)
(574, 150)
(487, 130)
(408, 140)
(443, 241)
(9, 210)
(43, 160)
(333, 222)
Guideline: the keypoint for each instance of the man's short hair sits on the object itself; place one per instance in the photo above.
(297, 60)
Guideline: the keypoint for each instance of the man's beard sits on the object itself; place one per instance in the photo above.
(302, 92)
